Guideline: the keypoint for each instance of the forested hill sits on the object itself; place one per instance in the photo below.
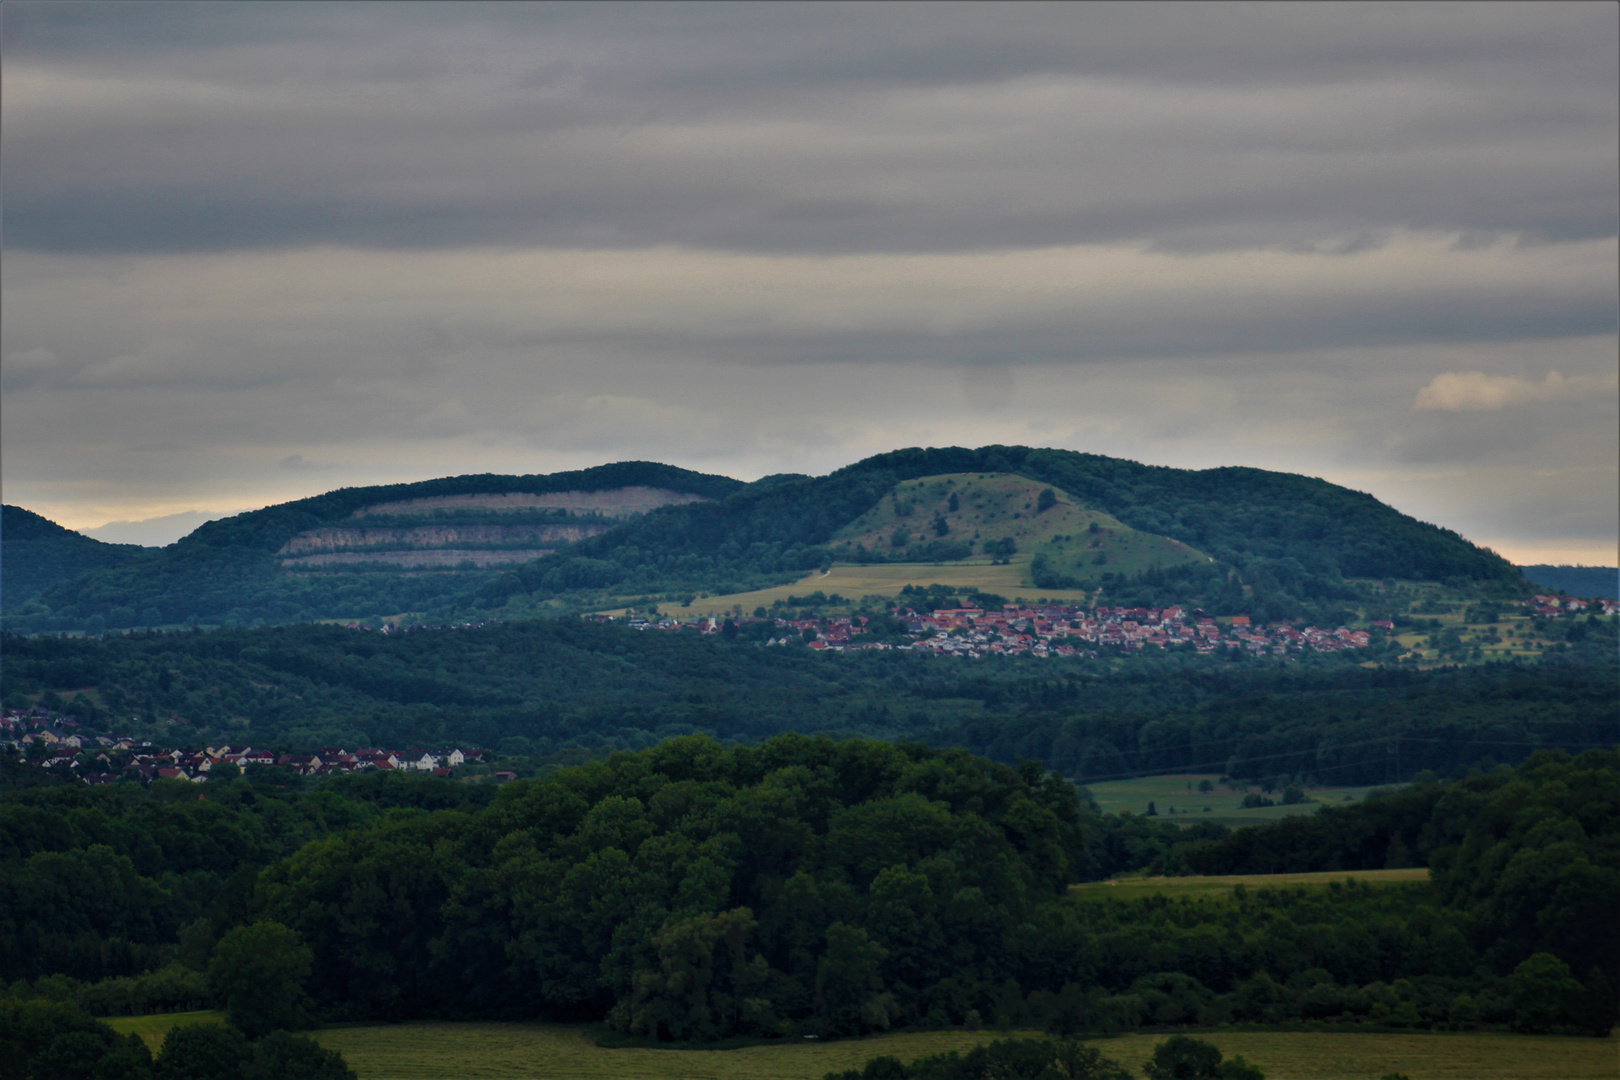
(804, 886)
(36, 553)
(1585, 581)
(570, 685)
(270, 528)
(355, 552)
(513, 546)
(1280, 530)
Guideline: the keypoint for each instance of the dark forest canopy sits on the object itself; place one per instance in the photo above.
(692, 891)
(554, 686)
(227, 569)
(1278, 535)
(1288, 531)
(36, 553)
(1583, 581)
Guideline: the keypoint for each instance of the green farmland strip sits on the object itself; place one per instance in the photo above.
(559, 1052)
(481, 1051)
(1134, 888)
(153, 1028)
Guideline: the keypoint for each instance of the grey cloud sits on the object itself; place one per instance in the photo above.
(299, 463)
(250, 321)
(803, 127)
(152, 532)
(255, 251)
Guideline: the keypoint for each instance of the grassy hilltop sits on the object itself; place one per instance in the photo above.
(1003, 514)
(1260, 534)
(476, 547)
(440, 546)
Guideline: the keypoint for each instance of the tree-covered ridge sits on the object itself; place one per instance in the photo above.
(103, 882)
(574, 686)
(1584, 581)
(1285, 532)
(272, 527)
(1337, 727)
(1275, 534)
(692, 891)
(862, 872)
(36, 553)
(226, 571)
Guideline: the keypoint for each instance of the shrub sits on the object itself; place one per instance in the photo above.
(202, 1052)
(281, 1056)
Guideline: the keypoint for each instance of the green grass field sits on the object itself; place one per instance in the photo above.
(479, 1051)
(990, 507)
(501, 1051)
(885, 579)
(153, 1028)
(1423, 1056)
(1133, 888)
(1180, 791)
(1081, 542)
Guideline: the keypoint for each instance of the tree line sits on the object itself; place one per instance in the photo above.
(572, 686)
(693, 892)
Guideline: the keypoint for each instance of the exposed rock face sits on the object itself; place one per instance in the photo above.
(434, 557)
(618, 502)
(489, 544)
(437, 536)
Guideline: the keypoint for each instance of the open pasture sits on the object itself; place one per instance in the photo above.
(1130, 888)
(853, 581)
(984, 508)
(153, 1028)
(1303, 1055)
(562, 1052)
(523, 1051)
(1180, 792)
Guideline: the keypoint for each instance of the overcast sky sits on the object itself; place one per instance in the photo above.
(255, 252)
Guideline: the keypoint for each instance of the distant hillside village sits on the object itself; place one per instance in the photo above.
(1068, 630)
(1558, 604)
(54, 741)
(1055, 630)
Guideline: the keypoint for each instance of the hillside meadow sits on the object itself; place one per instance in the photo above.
(154, 1026)
(519, 1051)
(1200, 886)
(1222, 805)
(854, 582)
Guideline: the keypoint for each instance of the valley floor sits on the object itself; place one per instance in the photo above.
(1134, 888)
(485, 1051)
(503, 1051)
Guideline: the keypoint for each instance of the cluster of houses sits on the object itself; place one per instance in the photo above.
(1053, 630)
(1059, 630)
(104, 759)
(1068, 631)
(1553, 606)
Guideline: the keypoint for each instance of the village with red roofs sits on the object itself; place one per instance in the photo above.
(54, 740)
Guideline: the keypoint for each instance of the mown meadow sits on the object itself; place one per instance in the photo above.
(528, 1051)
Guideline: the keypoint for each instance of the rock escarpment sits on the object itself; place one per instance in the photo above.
(486, 540)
